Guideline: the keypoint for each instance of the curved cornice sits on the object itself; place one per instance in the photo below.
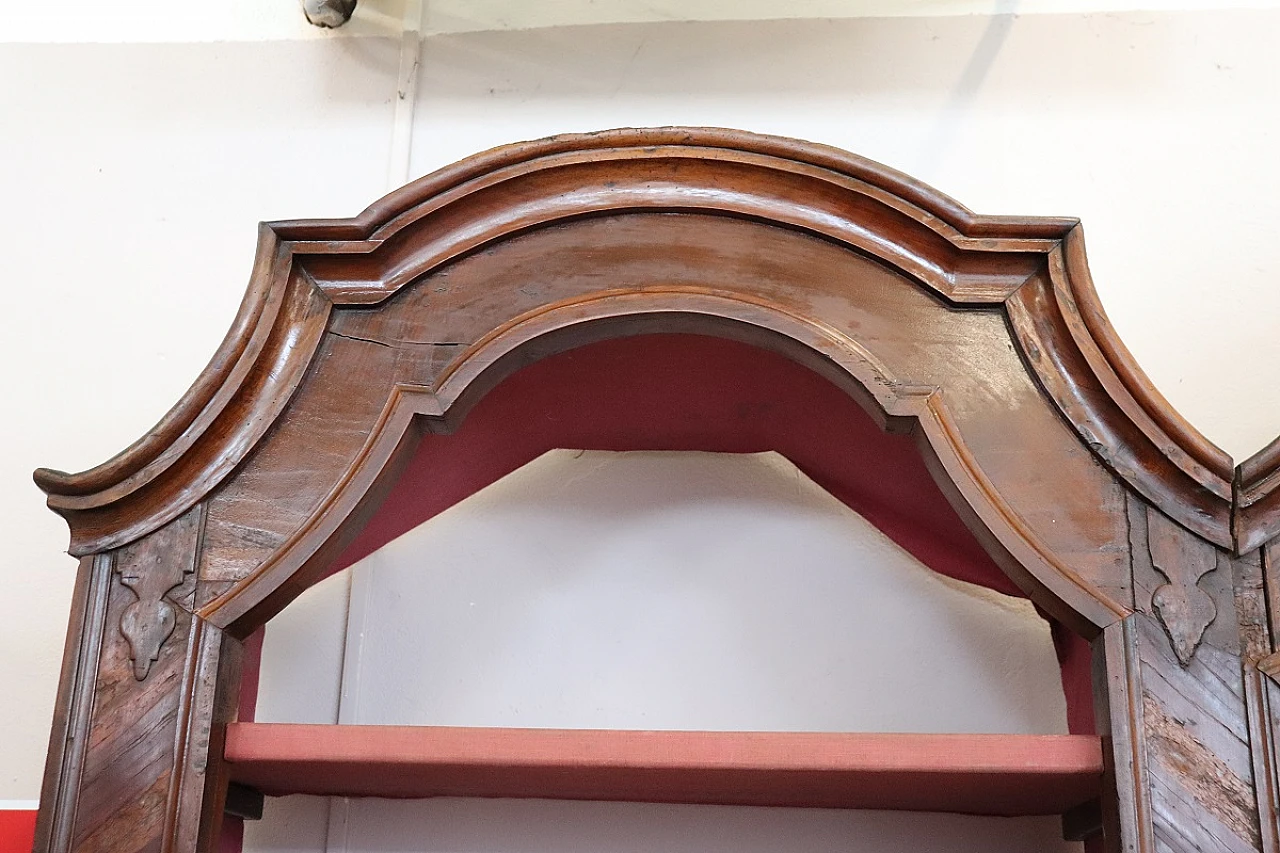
(1257, 498)
(1097, 385)
(1031, 562)
(305, 267)
(213, 427)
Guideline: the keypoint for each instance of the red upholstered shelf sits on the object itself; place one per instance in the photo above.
(976, 774)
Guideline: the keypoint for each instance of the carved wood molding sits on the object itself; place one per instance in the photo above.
(980, 337)
(156, 570)
(967, 259)
(298, 561)
(1184, 609)
(1257, 498)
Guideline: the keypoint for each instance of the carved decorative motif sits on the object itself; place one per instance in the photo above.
(154, 568)
(1182, 606)
(149, 621)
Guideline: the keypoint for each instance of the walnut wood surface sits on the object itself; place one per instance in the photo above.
(981, 337)
(860, 205)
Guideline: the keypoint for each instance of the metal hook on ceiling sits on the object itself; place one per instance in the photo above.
(328, 13)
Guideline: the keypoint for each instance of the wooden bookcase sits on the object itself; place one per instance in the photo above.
(979, 338)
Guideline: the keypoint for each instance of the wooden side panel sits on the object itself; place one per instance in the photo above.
(211, 696)
(126, 733)
(1126, 817)
(1197, 746)
(74, 707)
(1195, 727)
(1264, 731)
(1256, 646)
(129, 759)
(1262, 681)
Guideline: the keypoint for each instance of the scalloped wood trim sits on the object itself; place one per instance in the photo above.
(968, 259)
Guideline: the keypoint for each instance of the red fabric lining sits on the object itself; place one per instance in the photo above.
(231, 838)
(689, 392)
(971, 773)
(249, 686)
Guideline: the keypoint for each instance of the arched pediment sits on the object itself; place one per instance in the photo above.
(979, 337)
(1032, 268)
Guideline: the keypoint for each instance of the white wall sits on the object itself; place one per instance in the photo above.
(659, 591)
(80, 21)
(119, 163)
(653, 591)
(119, 160)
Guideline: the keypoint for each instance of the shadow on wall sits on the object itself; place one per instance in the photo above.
(543, 826)
(1037, 59)
(970, 81)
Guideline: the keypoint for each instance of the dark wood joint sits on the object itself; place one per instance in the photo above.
(1083, 822)
(243, 802)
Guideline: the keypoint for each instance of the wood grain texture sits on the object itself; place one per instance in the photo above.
(1198, 752)
(154, 569)
(866, 207)
(1126, 796)
(1197, 744)
(370, 380)
(68, 738)
(1256, 520)
(126, 751)
(128, 758)
(201, 440)
(1258, 585)
(1264, 693)
(980, 337)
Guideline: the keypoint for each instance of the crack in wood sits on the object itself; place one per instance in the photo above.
(397, 343)
(360, 339)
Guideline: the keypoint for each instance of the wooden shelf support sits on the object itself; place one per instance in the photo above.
(971, 773)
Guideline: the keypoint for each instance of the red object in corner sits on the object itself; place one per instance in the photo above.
(17, 830)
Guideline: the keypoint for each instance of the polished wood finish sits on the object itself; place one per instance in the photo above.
(980, 337)
(976, 774)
